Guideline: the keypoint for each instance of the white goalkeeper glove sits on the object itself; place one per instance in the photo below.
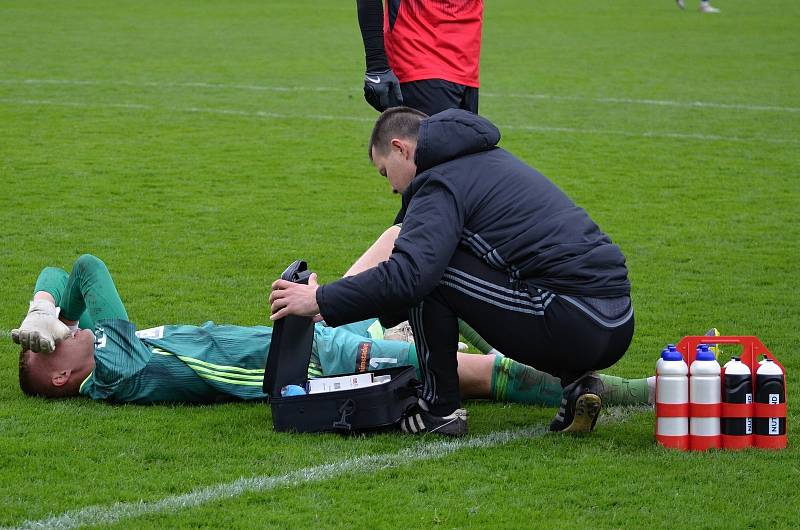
(41, 329)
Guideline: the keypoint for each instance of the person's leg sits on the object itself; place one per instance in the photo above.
(530, 325)
(469, 101)
(90, 289)
(519, 383)
(435, 319)
(435, 326)
(500, 378)
(475, 375)
(370, 328)
(706, 7)
(439, 409)
(53, 280)
(622, 391)
(501, 311)
(340, 351)
(473, 338)
(378, 252)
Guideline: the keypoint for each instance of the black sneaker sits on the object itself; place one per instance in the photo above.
(580, 406)
(418, 420)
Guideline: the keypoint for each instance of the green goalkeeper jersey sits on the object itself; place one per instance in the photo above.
(213, 363)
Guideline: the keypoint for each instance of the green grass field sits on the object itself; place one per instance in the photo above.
(198, 147)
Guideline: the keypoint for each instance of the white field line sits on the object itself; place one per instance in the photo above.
(329, 117)
(653, 102)
(269, 88)
(114, 513)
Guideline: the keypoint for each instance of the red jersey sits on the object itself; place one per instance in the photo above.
(434, 39)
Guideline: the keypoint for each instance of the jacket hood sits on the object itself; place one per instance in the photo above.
(451, 134)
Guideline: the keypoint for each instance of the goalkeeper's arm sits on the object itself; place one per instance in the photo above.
(381, 86)
(41, 330)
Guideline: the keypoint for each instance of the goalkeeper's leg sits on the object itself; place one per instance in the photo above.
(500, 378)
(84, 296)
(339, 351)
(53, 280)
(473, 338)
(90, 294)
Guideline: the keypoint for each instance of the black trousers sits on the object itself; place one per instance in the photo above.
(435, 95)
(562, 335)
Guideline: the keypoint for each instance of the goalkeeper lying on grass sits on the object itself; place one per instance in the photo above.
(77, 340)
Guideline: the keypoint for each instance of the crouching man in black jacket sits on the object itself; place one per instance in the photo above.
(488, 239)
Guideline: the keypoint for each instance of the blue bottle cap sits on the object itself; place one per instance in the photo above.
(673, 356)
(664, 352)
(705, 354)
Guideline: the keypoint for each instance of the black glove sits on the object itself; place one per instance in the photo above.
(382, 90)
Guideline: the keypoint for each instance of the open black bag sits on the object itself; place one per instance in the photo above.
(370, 408)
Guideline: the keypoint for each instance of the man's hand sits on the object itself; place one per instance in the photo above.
(382, 90)
(41, 330)
(290, 298)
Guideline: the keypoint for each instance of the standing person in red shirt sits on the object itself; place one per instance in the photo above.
(423, 54)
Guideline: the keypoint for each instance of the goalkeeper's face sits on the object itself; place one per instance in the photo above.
(60, 373)
(77, 350)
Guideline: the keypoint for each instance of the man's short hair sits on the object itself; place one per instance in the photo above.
(397, 122)
(34, 379)
(26, 382)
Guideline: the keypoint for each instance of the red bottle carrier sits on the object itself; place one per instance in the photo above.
(752, 348)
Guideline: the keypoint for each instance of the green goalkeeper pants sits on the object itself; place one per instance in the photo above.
(87, 294)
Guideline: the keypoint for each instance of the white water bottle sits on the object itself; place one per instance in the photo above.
(705, 392)
(770, 421)
(736, 423)
(672, 400)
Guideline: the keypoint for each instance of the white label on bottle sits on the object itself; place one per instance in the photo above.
(748, 398)
(774, 399)
(748, 429)
(774, 426)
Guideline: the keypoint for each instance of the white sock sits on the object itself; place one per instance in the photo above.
(651, 386)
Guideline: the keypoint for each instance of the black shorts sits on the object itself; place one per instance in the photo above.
(435, 95)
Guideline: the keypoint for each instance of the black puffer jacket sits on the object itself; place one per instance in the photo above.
(470, 193)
